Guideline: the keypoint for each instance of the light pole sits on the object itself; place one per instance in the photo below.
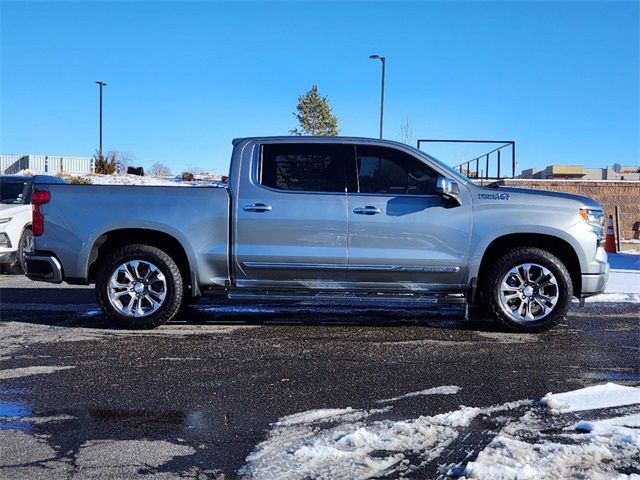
(382, 59)
(100, 84)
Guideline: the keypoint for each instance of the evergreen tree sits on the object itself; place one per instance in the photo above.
(105, 164)
(315, 115)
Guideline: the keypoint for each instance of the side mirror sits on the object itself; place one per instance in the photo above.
(448, 188)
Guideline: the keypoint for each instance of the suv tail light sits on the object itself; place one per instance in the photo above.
(39, 197)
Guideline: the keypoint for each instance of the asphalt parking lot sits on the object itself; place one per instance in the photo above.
(195, 398)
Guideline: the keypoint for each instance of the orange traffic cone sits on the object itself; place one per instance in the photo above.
(610, 239)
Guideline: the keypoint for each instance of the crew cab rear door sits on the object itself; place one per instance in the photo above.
(291, 216)
(403, 236)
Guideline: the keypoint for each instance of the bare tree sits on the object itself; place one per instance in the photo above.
(406, 131)
(126, 159)
(159, 169)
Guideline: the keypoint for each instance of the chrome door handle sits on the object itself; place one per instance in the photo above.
(368, 210)
(257, 207)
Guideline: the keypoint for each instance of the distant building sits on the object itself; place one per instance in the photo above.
(578, 172)
(46, 164)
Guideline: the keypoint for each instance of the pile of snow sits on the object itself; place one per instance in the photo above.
(592, 456)
(355, 443)
(586, 449)
(348, 444)
(589, 398)
(127, 179)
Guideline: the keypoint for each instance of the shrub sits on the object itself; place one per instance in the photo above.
(79, 181)
(187, 176)
(105, 165)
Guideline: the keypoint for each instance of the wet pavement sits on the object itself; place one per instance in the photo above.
(80, 399)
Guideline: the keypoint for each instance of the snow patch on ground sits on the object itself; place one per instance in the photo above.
(623, 281)
(126, 179)
(349, 443)
(444, 390)
(28, 371)
(589, 398)
(601, 426)
(591, 457)
(614, 298)
(323, 414)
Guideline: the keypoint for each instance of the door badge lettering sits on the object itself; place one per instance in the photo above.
(493, 196)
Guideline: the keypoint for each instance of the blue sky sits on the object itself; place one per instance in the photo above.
(185, 78)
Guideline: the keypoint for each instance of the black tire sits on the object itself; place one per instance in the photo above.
(561, 291)
(173, 288)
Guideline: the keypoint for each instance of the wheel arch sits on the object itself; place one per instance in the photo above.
(552, 244)
(110, 241)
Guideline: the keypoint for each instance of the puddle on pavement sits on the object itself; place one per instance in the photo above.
(190, 422)
(13, 416)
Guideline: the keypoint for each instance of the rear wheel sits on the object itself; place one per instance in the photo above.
(528, 290)
(139, 286)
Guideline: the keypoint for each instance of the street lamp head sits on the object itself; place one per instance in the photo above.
(100, 82)
(374, 57)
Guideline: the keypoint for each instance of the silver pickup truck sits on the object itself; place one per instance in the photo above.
(332, 219)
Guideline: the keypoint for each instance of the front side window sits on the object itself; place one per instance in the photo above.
(388, 171)
(304, 167)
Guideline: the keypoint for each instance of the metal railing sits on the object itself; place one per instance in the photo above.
(472, 168)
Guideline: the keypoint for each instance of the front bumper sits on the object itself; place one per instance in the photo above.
(8, 257)
(44, 268)
(594, 283)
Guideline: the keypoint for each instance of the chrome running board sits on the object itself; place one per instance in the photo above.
(405, 299)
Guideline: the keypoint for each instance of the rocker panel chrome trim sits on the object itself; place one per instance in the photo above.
(323, 266)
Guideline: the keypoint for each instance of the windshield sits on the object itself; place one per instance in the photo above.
(453, 172)
(13, 193)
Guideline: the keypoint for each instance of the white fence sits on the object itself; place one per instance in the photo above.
(46, 164)
(10, 163)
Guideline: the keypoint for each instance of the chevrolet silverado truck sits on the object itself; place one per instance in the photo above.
(332, 219)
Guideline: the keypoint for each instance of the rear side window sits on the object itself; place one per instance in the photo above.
(305, 167)
(14, 192)
(389, 171)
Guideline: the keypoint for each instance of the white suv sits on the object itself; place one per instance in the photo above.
(16, 237)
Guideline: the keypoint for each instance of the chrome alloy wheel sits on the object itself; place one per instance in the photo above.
(528, 292)
(137, 288)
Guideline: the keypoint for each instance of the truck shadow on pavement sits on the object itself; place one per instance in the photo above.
(77, 307)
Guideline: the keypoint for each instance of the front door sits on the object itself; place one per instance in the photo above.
(402, 235)
(291, 220)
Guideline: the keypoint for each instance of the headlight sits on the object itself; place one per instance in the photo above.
(592, 217)
(5, 220)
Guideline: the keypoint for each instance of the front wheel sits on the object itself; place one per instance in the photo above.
(139, 286)
(528, 290)
(26, 246)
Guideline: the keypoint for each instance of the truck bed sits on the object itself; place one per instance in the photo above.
(197, 217)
